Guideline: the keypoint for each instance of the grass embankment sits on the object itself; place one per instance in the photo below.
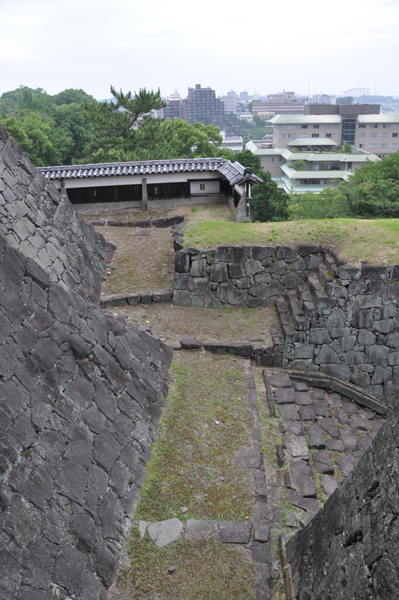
(204, 422)
(355, 239)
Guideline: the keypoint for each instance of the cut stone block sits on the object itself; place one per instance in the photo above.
(280, 380)
(201, 530)
(348, 438)
(298, 447)
(260, 552)
(322, 462)
(191, 344)
(288, 412)
(316, 438)
(249, 458)
(345, 464)
(235, 532)
(329, 483)
(303, 398)
(308, 504)
(329, 427)
(165, 532)
(307, 413)
(335, 445)
(321, 408)
(291, 520)
(284, 395)
(294, 428)
(302, 479)
(299, 386)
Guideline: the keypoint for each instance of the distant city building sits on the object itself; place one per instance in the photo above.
(200, 104)
(244, 96)
(175, 96)
(230, 102)
(321, 99)
(357, 92)
(284, 103)
(327, 126)
(173, 109)
(231, 142)
(245, 116)
(317, 170)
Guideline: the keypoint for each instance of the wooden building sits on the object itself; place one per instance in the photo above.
(155, 184)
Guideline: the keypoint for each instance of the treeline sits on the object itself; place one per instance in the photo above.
(73, 128)
(52, 130)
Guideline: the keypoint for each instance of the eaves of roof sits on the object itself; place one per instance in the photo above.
(234, 172)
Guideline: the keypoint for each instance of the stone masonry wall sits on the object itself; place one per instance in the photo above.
(335, 318)
(42, 224)
(241, 275)
(80, 402)
(350, 550)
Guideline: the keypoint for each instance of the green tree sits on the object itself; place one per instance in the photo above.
(268, 202)
(347, 148)
(71, 96)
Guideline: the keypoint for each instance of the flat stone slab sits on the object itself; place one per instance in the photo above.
(201, 530)
(262, 586)
(307, 413)
(322, 462)
(307, 518)
(234, 532)
(349, 407)
(165, 532)
(321, 408)
(328, 424)
(260, 552)
(334, 400)
(248, 458)
(288, 412)
(308, 504)
(348, 438)
(284, 395)
(316, 437)
(299, 386)
(302, 479)
(335, 445)
(329, 483)
(238, 348)
(191, 344)
(291, 520)
(299, 447)
(280, 380)
(303, 398)
(294, 428)
(346, 464)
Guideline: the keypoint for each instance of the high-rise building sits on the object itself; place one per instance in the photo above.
(200, 104)
(284, 103)
(244, 96)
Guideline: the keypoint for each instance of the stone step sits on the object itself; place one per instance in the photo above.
(298, 317)
(306, 301)
(284, 316)
(323, 275)
(319, 296)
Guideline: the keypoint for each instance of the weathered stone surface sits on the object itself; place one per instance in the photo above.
(346, 464)
(280, 380)
(298, 447)
(165, 532)
(201, 530)
(235, 532)
(284, 396)
(248, 458)
(316, 438)
(322, 462)
(289, 412)
(302, 479)
(307, 413)
(191, 343)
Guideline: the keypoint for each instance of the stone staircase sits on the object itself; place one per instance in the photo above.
(305, 309)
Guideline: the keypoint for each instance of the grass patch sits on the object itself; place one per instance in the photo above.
(356, 239)
(204, 570)
(204, 423)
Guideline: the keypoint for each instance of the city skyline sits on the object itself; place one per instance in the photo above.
(86, 44)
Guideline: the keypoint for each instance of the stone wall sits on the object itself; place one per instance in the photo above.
(334, 317)
(241, 275)
(80, 402)
(81, 397)
(42, 224)
(351, 548)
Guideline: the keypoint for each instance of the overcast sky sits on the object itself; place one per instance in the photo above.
(262, 45)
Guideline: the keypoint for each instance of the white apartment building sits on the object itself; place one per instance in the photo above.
(328, 127)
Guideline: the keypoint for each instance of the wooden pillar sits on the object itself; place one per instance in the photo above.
(144, 195)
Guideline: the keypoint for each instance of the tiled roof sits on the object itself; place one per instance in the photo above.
(234, 172)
